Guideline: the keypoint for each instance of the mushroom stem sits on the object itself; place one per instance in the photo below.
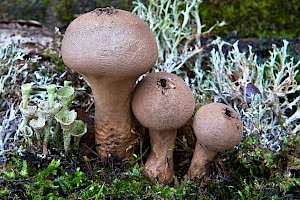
(217, 128)
(159, 165)
(200, 161)
(113, 117)
(111, 48)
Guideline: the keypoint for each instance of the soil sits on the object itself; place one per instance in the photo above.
(31, 35)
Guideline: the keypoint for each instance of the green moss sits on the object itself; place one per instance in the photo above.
(24, 9)
(270, 18)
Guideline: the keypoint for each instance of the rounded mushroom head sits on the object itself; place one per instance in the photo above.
(162, 101)
(109, 42)
(217, 127)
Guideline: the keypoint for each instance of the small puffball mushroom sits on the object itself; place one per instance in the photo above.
(162, 102)
(217, 128)
(111, 48)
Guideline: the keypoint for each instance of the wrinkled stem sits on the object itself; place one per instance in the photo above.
(200, 161)
(113, 117)
(159, 165)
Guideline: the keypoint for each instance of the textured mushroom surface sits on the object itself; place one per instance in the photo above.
(109, 42)
(111, 48)
(217, 127)
(162, 102)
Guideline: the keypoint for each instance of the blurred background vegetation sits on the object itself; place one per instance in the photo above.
(57, 13)
(254, 18)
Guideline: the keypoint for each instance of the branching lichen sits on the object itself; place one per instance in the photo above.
(260, 93)
(10, 70)
(266, 116)
(178, 29)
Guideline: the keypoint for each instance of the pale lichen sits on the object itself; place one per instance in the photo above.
(262, 93)
(178, 31)
(265, 116)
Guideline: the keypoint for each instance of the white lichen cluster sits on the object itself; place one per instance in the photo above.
(274, 112)
(10, 70)
(14, 71)
(178, 30)
(262, 93)
(23, 113)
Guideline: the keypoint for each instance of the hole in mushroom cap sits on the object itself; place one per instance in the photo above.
(227, 113)
(162, 82)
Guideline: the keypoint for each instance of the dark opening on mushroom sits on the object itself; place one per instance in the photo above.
(162, 82)
(227, 113)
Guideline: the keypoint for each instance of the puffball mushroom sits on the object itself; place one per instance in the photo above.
(217, 128)
(162, 102)
(111, 48)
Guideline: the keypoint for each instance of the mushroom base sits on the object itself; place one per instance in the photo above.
(201, 160)
(159, 165)
(113, 118)
(114, 139)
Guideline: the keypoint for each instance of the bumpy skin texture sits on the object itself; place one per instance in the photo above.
(162, 102)
(111, 48)
(217, 128)
(107, 42)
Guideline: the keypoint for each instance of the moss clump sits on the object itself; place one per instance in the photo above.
(270, 18)
(24, 9)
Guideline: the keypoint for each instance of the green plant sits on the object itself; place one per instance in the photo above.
(264, 94)
(264, 166)
(45, 119)
(254, 18)
(13, 69)
(25, 9)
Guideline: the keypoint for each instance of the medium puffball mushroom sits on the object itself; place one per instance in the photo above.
(217, 128)
(162, 102)
(111, 48)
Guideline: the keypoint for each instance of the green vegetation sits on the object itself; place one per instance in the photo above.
(263, 174)
(24, 9)
(253, 18)
(54, 182)
(266, 165)
(270, 18)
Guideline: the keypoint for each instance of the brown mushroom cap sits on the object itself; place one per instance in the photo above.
(218, 127)
(109, 42)
(162, 101)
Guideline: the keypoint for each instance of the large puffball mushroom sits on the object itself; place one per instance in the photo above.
(111, 48)
(217, 128)
(162, 102)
